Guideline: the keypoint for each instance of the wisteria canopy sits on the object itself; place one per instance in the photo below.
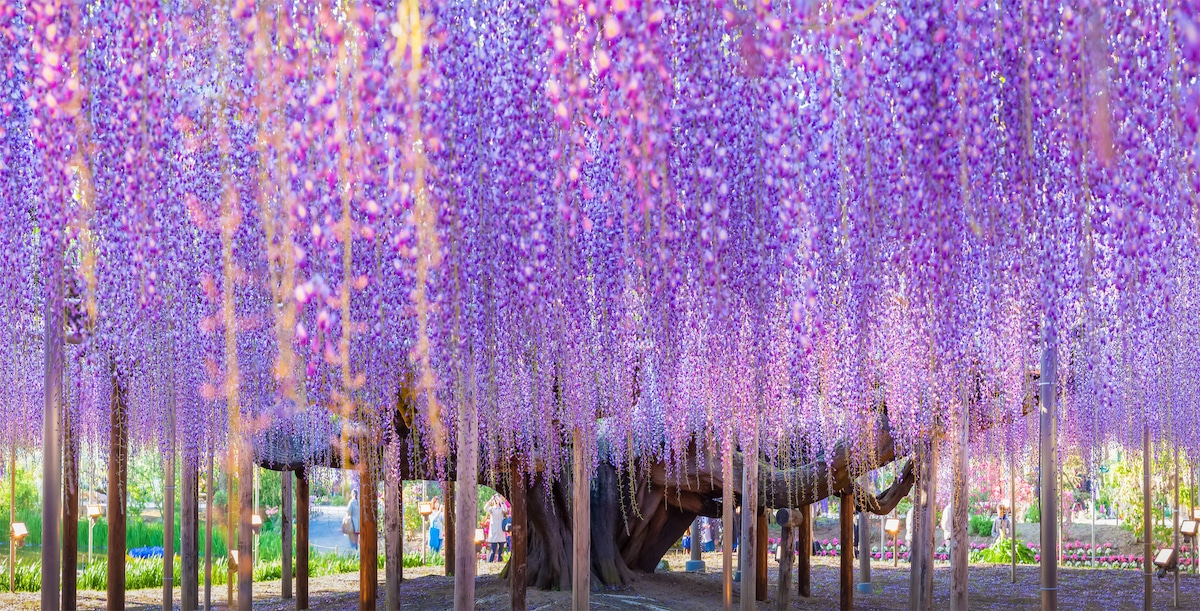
(648, 221)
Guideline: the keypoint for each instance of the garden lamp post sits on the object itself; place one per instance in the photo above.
(892, 526)
(93, 513)
(425, 508)
(256, 527)
(16, 536)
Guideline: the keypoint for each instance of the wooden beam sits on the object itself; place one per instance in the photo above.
(368, 537)
(581, 525)
(760, 550)
(804, 566)
(285, 534)
(118, 468)
(846, 555)
(70, 546)
(787, 556)
(451, 530)
(302, 501)
(518, 568)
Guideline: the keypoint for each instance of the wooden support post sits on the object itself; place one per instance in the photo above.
(70, 545)
(368, 538)
(581, 525)
(789, 520)
(959, 542)
(749, 523)
(920, 554)
(1147, 525)
(1012, 511)
(846, 554)
(285, 534)
(189, 532)
(518, 567)
(1048, 447)
(727, 523)
(760, 550)
(1175, 531)
(118, 467)
(466, 507)
(168, 585)
(864, 553)
(393, 531)
(302, 501)
(245, 540)
(51, 429)
(695, 563)
(208, 534)
(451, 531)
(804, 567)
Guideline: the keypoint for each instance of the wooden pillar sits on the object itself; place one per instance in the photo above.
(301, 540)
(118, 467)
(1147, 525)
(804, 569)
(450, 537)
(864, 553)
(1012, 511)
(749, 523)
(245, 542)
(208, 534)
(518, 568)
(581, 525)
(1048, 472)
(789, 521)
(368, 539)
(727, 527)
(760, 550)
(846, 555)
(1175, 531)
(189, 532)
(70, 536)
(168, 585)
(959, 542)
(920, 593)
(466, 506)
(393, 533)
(285, 534)
(51, 431)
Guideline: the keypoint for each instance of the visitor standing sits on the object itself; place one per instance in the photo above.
(908, 528)
(1003, 525)
(350, 522)
(947, 523)
(437, 521)
(495, 536)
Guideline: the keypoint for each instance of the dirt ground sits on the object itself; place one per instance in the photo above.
(1083, 590)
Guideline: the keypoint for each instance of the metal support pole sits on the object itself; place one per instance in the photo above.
(52, 431)
(1048, 447)
(864, 553)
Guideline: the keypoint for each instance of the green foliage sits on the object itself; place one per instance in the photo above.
(414, 560)
(1033, 515)
(1000, 552)
(29, 507)
(980, 525)
(903, 507)
(27, 577)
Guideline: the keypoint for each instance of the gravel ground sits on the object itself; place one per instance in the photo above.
(423, 590)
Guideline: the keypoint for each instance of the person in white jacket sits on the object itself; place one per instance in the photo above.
(947, 523)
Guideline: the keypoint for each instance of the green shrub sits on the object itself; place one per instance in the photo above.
(1033, 515)
(980, 526)
(27, 577)
(1000, 552)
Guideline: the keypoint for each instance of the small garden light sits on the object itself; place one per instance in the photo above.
(18, 532)
(892, 527)
(425, 508)
(256, 523)
(1166, 560)
(1189, 528)
(233, 561)
(93, 513)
